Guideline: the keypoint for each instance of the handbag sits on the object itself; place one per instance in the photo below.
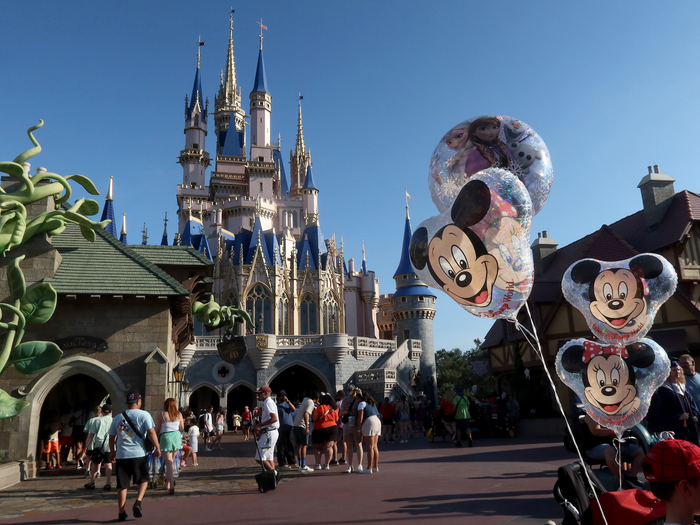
(148, 445)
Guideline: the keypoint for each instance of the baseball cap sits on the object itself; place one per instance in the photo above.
(106, 408)
(133, 397)
(672, 460)
(282, 393)
(459, 390)
(263, 389)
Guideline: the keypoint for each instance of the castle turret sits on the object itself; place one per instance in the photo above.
(413, 313)
(108, 210)
(310, 199)
(227, 103)
(194, 159)
(260, 111)
(299, 158)
(122, 236)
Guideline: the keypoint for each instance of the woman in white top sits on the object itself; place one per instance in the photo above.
(169, 427)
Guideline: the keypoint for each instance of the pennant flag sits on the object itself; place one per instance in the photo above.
(407, 195)
(201, 43)
(264, 27)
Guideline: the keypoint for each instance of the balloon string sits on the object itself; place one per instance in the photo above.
(538, 350)
(619, 460)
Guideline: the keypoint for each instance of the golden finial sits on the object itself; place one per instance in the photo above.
(363, 247)
(261, 32)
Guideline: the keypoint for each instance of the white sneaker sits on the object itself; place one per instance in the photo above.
(326, 466)
(317, 466)
(208, 449)
(366, 471)
(305, 468)
(359, 469)
(349, 469)
(375, 469)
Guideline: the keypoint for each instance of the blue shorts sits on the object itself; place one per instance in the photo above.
(598, 452)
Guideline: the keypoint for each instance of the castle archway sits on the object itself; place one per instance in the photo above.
(299, 381)
(240, 395)
(41, 390)
(203, 397)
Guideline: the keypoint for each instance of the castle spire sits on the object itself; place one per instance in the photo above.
(300, 148)
(260, 85)
(197, 98)
(164, 240)
(108, 210)
(122, 237)
(228, 87)
(144, 235)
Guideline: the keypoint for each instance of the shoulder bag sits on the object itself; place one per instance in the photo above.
(148, 445)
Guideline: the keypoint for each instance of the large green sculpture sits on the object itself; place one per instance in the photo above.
(36, 304)
(216, 316)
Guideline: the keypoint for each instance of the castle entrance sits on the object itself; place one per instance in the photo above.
(202, 398)
(239, 398)
(299, 382)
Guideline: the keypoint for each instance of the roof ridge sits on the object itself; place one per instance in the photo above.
(145, 263)
(619, 238)
(167, 247)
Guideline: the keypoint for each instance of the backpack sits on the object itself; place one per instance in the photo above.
(572, 487)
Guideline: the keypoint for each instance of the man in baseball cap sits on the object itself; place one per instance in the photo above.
(267, 430)
(672, 468)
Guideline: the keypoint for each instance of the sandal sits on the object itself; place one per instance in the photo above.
(108, 486)
(89, 486)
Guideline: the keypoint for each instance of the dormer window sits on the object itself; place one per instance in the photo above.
(195, 146)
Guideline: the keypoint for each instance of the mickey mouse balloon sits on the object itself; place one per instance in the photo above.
(478, 250)
(490, 141)
(615, 383)
(620, 299)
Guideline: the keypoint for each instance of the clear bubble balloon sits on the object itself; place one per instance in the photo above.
(478, 250)
(615, 383)
(620, 299)
(490, 141)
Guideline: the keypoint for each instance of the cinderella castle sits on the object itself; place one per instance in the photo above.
(319, 322)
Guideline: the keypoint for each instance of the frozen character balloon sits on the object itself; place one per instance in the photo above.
(620, 299)
(484, 142)
(478, 252)
(615, 383)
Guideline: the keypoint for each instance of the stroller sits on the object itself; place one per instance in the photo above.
(438, 427)
(577, 496)
(156, 470)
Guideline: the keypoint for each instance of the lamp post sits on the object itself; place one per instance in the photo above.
(178, 372)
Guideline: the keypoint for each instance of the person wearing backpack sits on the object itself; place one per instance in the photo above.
(97, 430)
(132, 436)
(462, 416)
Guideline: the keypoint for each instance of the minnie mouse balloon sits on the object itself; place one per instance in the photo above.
(490, 141)
(478, 250)
(620, 299)
(615, 383)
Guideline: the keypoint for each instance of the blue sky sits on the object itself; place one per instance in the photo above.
(610, 87)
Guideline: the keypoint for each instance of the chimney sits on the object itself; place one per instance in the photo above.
(657, 195)
(351, 267)
(543, 250)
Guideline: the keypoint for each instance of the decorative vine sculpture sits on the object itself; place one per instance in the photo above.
(212, 314)
(35, 305)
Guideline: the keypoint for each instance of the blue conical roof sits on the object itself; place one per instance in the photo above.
(122, 238)
(284, 184)
(257, 229)
(164, 240)
(309, 182)
(260, 85)
(232, 146)
(108, 213)
(197, 90)
(405, 264)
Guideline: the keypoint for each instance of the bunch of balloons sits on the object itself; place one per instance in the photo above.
(616, 375)
(488, 177)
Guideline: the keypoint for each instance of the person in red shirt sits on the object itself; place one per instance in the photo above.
(448, 409)
(325, 418)
(387, 410)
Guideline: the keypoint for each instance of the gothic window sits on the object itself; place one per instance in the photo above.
(330, 314)
(406, 334)
(295, 222)
(308, 315)
(232, 300)
(283, 315)
(259, 307)
(196, 121)
(261, 187)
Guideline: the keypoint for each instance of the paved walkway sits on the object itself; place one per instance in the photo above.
(498, 481)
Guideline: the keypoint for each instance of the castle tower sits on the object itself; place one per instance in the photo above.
(194, 159)
(227, 103)
(108, 210)
(413, 313)
(260, 111)
(310, 199)
(299, 158)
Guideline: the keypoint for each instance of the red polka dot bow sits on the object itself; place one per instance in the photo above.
(592, 349)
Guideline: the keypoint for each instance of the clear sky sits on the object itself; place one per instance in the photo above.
(611, 87)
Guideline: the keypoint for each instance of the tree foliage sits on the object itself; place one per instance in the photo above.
(454, 367)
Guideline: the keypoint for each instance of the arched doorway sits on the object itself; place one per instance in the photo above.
(73, 398)
(298, 381)
(238, 398)
(202, 398)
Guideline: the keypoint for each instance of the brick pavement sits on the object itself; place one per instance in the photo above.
(498, 481)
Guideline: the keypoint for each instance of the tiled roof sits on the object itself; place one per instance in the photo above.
(107, 267)
(172, 255)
